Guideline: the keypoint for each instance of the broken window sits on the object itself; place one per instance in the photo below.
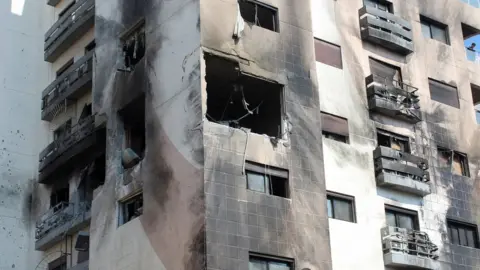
(259, 14)
(476, 101)
(340, 207)
(394, 141)
(334, 127)
(267, 179)
(463, 234)
(454, 161)
(328, 53)
(379, 4)
(58, 196)
(401, 218)
(133, 117)
(64, 68)
(58, 264)
(434, 30)
(444, 93)
(63, 130)
(133, 45)
(241, 101)
(260, 262)
(131, 208)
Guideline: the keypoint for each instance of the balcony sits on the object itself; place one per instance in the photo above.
(408, 249)
(61, 219)
(386, 29)
(70, 27)
(393, 98)
(71, 85)
(401, 171)
(84, 139)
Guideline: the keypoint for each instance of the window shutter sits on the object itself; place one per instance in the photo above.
(328, 53)
(334, 124)
(444, 93)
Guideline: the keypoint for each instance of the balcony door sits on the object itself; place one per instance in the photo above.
(391, 75)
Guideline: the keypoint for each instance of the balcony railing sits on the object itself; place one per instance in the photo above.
(55, 217)
(393, 98)
(69, 27)
(72, 83)
(473, 55)
(474, 3)
(386, 29)
(58, 147)
(408, 248)
(401, 171)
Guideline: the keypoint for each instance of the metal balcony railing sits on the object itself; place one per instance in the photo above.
(76, 133)
(409, 242)
(397, 162)
(473, 55)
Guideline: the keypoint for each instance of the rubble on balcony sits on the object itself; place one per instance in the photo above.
(410, 249)
(393, 98)
(402, 171)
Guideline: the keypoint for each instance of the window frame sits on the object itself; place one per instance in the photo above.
(270, 258)
(426, 21)
(329, 133)
(433, 82)
(464, 225)
(393, 136)
(387, 4)
(123, 210)
(267, 173)
(463, 162)
(276, 20)
(406, 212)
(340, 66)
(331, 196)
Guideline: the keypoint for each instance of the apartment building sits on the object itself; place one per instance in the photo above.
(240, 134)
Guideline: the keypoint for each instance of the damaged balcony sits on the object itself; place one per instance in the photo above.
(393, 98)
(85, 139)
(61, 219)
(385, 29)
(71, 85)
(401, 171)
(73, 24)
(408, 249)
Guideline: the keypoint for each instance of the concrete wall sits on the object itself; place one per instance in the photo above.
(170, 233)
(349, 167)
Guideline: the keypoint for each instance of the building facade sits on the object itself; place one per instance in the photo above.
(240, 134)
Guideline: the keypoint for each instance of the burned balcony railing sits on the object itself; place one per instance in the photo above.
(73, 83)
(58, 220)
(393, 98)
(386, 29)
(401, 171)
(410, 249)
(76, 21)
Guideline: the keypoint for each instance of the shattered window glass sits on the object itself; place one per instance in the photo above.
(259, 14)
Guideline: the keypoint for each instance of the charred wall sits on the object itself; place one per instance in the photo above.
(240, 221)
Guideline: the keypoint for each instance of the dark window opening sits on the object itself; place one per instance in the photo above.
(241, 101)
(340, 207)
(454, 161)
(259, 14)
(86, 112)
(266, 262)
(267, 179)
(67, 8)
(64, 68)
(434, 30)
(476, 101)
(131, 208)
(391, 74)
(134, 45)
(463, 234)
(90, 46)
(58, 196)
(334, 127)
(63, 130)
(379, 4)
(444, 93)
(58, 264)
(328, 53)
(394, 141)
(401, 218)
(133, 117)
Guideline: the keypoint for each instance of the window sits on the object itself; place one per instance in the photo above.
(434, 30)
(133, 117)
(238, 100)
(394, 141)
(60, 195)
(471, 37)
(63, 130)
(64, 68)
(133, 45)
(328, 53)
(58, 264)
(259, 14)
(444, 93)
(86, 112)
(267, 179)
(455, 162)
(90, 46)
(401, 218)
(340, 207)
(463, 234)
(381, 5)
(261, 262)
(391, 75)
(334, 127)
(131, 208)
